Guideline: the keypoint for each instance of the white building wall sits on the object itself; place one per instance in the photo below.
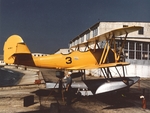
(108, 26)
(138, 70)
(2, 63)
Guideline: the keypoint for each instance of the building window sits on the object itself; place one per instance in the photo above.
(126, 50)
(145, 46)
(126, 54)
(82, 39)
(137, 50)
(138, 46)
(141, 31)
(76, 42)
(131, 50)
(131, 45)
(144, 56)
(145, 51)
(125, 25)
(95, 32)
(138, 55)
(73, 43)
(131, 54)
(88, 36)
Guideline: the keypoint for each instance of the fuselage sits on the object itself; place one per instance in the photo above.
(62, 61)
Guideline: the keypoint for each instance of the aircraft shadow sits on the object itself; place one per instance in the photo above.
(55, 106)
(37, 111)
(120, 100)
(113, 101)
(59, 109)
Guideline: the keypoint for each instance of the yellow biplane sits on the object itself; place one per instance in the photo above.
(17, 52)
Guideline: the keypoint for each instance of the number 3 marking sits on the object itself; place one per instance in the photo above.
(69, 60)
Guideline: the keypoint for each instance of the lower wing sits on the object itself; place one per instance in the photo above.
(99, 66)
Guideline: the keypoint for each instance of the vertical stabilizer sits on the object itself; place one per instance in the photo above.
(14, 45)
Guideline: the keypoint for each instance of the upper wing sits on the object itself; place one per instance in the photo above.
(108, 35)
(115, 33)
(99, 66)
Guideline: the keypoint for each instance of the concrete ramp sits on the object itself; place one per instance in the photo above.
(17, 76)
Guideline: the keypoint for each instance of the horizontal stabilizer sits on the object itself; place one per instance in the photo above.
(23, 59)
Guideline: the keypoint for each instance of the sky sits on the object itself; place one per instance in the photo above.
(48, 25)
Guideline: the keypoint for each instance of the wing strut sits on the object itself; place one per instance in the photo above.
(118, 71)
(108, 73)
(109, 40)
(103, 72)
(104, 54)
(122, 46)
(123, 71)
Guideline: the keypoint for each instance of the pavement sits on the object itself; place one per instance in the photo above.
(49, 101)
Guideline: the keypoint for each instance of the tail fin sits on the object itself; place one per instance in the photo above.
(14, 45)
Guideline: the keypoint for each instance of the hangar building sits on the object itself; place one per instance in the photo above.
(137, 47)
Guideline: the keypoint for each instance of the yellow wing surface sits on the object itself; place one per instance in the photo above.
(115, 33)
(95, 66)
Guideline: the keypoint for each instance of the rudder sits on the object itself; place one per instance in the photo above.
(14, 45)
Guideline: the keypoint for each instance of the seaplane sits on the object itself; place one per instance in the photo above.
(99, 57)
